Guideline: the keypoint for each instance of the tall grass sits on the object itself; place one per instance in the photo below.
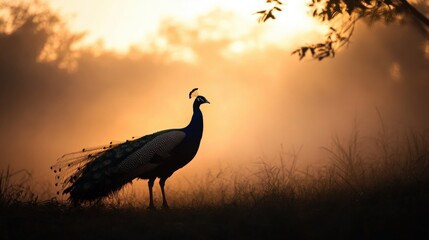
(360, 169)
(372, 187)
(15, 187)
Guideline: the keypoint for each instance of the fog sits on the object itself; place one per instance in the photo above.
(262, 99)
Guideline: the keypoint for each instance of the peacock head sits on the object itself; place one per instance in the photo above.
(198, 98)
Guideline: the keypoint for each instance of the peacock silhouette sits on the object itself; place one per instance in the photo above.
(93, 174)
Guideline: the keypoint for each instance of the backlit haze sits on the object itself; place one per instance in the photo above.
(118, 24)
(150, 54)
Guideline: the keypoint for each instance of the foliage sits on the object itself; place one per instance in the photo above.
(342, 16)
(14, 187)
(269, 13)
(52, 40)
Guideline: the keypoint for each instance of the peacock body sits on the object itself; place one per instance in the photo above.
(93, 174)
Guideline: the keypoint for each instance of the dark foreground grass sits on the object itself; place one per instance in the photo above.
(337, 218)
(374, 188)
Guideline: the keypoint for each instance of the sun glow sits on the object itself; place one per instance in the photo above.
(119, 24)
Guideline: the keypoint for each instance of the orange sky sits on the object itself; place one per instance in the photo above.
(121, 23)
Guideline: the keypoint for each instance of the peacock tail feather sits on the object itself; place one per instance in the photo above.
(94, 172)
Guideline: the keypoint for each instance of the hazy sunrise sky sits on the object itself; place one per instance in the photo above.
(121, 23)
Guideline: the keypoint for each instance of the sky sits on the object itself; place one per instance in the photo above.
(121, 23)
(263, 100)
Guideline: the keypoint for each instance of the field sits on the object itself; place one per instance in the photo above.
(373, 188)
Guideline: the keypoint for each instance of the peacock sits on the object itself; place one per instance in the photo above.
(95, 173)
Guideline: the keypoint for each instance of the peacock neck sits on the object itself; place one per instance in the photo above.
(195, 127)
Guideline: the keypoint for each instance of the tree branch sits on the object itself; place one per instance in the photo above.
(420, 16)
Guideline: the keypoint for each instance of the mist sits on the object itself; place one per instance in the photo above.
(262, 99)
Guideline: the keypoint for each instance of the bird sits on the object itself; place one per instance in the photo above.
(92, 174)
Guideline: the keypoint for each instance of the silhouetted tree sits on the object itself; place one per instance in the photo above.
(342, 16)
(33, 32)
(35, 48)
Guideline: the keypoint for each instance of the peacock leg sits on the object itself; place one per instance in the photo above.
(150, 184)
(164, 199)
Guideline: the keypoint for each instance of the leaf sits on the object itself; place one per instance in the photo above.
(304, 50)
(278, 9)
(270, 15)
(295, 52)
